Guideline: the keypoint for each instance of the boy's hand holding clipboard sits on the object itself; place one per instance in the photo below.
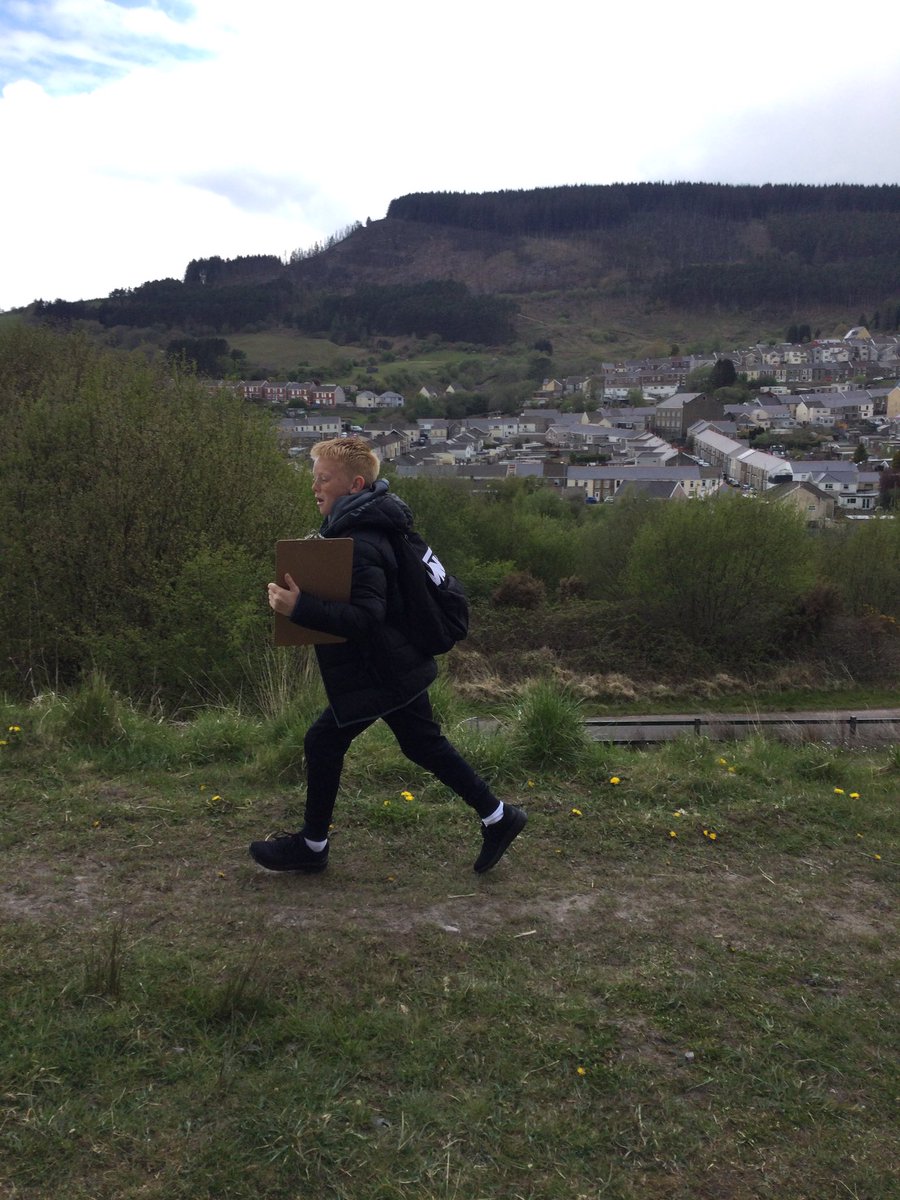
(320, 566)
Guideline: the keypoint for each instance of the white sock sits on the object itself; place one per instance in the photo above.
(317, 846)
(495, 816)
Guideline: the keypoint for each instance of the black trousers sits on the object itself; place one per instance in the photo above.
(419, 736)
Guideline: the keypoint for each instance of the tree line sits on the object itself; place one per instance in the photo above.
(781, 281)
(585, 207)
(442, 308)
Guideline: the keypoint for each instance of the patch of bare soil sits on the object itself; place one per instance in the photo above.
(215, 886)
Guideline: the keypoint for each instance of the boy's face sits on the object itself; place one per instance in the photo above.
(331, 480)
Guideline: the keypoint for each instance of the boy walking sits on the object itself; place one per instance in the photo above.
(377, 672)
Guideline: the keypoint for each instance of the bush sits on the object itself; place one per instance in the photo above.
(520, 589)
(572, 588)
(724, 574)
(143, 543)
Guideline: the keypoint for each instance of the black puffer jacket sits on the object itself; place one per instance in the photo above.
(377, 669)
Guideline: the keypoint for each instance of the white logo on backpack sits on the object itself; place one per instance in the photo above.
(435, 568)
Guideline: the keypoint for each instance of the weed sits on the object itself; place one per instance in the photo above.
(93, 716)
(103, 964)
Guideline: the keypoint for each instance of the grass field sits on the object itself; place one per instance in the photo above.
(680, 982)
(585, 329)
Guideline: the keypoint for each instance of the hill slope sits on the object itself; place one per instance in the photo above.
(438, 263)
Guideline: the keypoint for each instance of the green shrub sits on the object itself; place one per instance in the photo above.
(143, 544)
(547, 727)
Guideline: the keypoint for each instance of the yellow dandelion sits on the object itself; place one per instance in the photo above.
(3, 742)
(839, 791)
(576, 812)
(407, 796)
(14, 729)
(712, 835)
(877, 857)
(723, 762)
(672, 833)
(531, 783)
(96, 825)
(732, 770)
(615, 779)
(214, 798)
(386, 803)
(581, 1070)
(202, 787)
(854, 795)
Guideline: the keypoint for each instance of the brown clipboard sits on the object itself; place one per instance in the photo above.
(320, 566)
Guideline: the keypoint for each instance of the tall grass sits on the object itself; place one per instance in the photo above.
(546, 726)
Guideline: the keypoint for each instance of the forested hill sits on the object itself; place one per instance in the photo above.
(602, 206)
(452, 263)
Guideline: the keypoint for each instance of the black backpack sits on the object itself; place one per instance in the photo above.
(437, 611)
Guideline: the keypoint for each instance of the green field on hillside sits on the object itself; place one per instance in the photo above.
(584, 328)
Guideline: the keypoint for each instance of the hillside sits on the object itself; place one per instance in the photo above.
(670, 261)
(683, 243)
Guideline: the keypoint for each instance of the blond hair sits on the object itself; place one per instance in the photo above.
(353, 453)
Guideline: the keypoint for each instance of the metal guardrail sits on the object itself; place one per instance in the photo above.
(697, 723)
(718, 723)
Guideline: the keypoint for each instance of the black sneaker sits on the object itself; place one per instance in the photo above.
(288, 852)
(499, 836)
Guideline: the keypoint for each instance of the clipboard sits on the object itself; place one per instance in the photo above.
(320, 566)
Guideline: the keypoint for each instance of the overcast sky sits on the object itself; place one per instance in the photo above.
(140, 134)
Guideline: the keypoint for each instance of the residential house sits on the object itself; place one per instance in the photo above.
(814, 505)
(463, 446)
(388, 446)
(549, 392)
(274, 393)
(304, 431)
(298, 393)
(653, 489)
(852, 489)
(366, 399)
(390, 399)
(735, 460)
(834, 408)
(636, 417)
(407, 432)
(675, 415)
(326, 395)
(580, 384)
(603, 483)
(436, 429)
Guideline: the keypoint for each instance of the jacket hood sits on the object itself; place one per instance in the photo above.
(374, 508)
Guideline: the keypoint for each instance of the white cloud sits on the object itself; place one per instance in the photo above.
(147, 134)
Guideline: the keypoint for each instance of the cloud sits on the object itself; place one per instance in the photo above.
(77, 45)
(150, 132)
(843, 130)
